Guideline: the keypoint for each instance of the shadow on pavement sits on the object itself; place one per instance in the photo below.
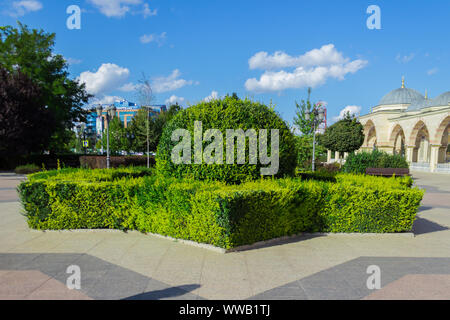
(276, 242)
(171, 292)
(423, 226)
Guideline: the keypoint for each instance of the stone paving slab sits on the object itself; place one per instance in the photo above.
(415, 287)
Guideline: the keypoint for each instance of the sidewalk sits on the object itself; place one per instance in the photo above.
(117, 265)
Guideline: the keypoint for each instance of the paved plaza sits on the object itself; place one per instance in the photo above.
(118, 265)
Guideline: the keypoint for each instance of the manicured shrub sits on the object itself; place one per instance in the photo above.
(222, 114)
(318, 176)
(49, 161)
(99, 162)
(358, 163)
(27, 169)
(213, 212)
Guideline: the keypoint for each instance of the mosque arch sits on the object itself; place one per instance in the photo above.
(398, 140)
(420, 140)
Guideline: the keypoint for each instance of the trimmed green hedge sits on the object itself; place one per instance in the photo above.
(213, 212)
(359, 162)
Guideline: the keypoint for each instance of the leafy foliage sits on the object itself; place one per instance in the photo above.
(358, 163)
(138, 128)
(27, 169)
(31, 52)
(304, 126)
(346, 135)
(222, 114)
(118, 137)
(304, 146)
(24, 119)
(213, 212)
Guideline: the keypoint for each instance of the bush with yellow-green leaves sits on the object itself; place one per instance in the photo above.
(213, 212)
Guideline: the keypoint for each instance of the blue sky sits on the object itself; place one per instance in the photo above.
(267, 50)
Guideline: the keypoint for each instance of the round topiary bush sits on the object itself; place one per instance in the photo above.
(229, 113)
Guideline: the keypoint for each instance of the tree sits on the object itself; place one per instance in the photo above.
(138, 128)
(144, 91)
(304, 126)
(304, 145)
(25, 121)
(118, 140)
(31, 52)
(346, 135)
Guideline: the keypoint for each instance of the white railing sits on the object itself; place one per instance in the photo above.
(419, 166)
(443, 167)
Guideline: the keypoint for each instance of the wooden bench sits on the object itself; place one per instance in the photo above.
(387, 172)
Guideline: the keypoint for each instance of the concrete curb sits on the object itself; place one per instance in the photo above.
(256, 245)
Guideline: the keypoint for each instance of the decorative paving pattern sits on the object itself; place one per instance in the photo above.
(43, 276)
(347, 281)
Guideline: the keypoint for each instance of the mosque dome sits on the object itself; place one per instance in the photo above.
(402, 96)
(420, 104)
(441, 100)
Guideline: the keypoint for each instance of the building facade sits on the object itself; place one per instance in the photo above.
(125, 111)
(406, 122)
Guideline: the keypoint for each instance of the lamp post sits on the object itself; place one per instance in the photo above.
(83, 130)
(110, 113)
(78, 129)
(99, 111)
(318, 114)
(148, 138)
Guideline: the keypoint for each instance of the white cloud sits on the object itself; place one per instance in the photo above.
(159, 39)
(129, 87)
(213, 96)
(404, 59)
(174, 99)
(107, 78)
(312, 69)
(105, 100)
(432, 71)
(147, 12)
(354, 110)
(21, 8)
(302, 77)
(119, 8)
(73, 61)
(169, 83)
(326, 55)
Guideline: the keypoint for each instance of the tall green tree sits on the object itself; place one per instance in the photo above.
(118, 137)
(156, 125)
(304, 145)
(25, 121)
(32, 51)
(304, 139)
(346, 135)
(304, 126)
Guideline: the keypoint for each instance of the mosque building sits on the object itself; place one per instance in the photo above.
(406, 122)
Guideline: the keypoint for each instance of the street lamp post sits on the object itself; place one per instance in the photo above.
(318, 114)
(148, 138)
(83, 130)
(110, 113)
(99, 110)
